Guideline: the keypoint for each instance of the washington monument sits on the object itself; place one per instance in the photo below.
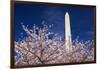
(68, 40)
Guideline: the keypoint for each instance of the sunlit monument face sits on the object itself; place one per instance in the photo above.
(48, 34)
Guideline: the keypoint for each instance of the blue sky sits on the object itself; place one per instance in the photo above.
(81, 18)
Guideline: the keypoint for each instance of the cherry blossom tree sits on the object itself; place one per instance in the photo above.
(38, 48)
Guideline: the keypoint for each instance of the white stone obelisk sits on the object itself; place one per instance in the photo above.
(68, 41)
